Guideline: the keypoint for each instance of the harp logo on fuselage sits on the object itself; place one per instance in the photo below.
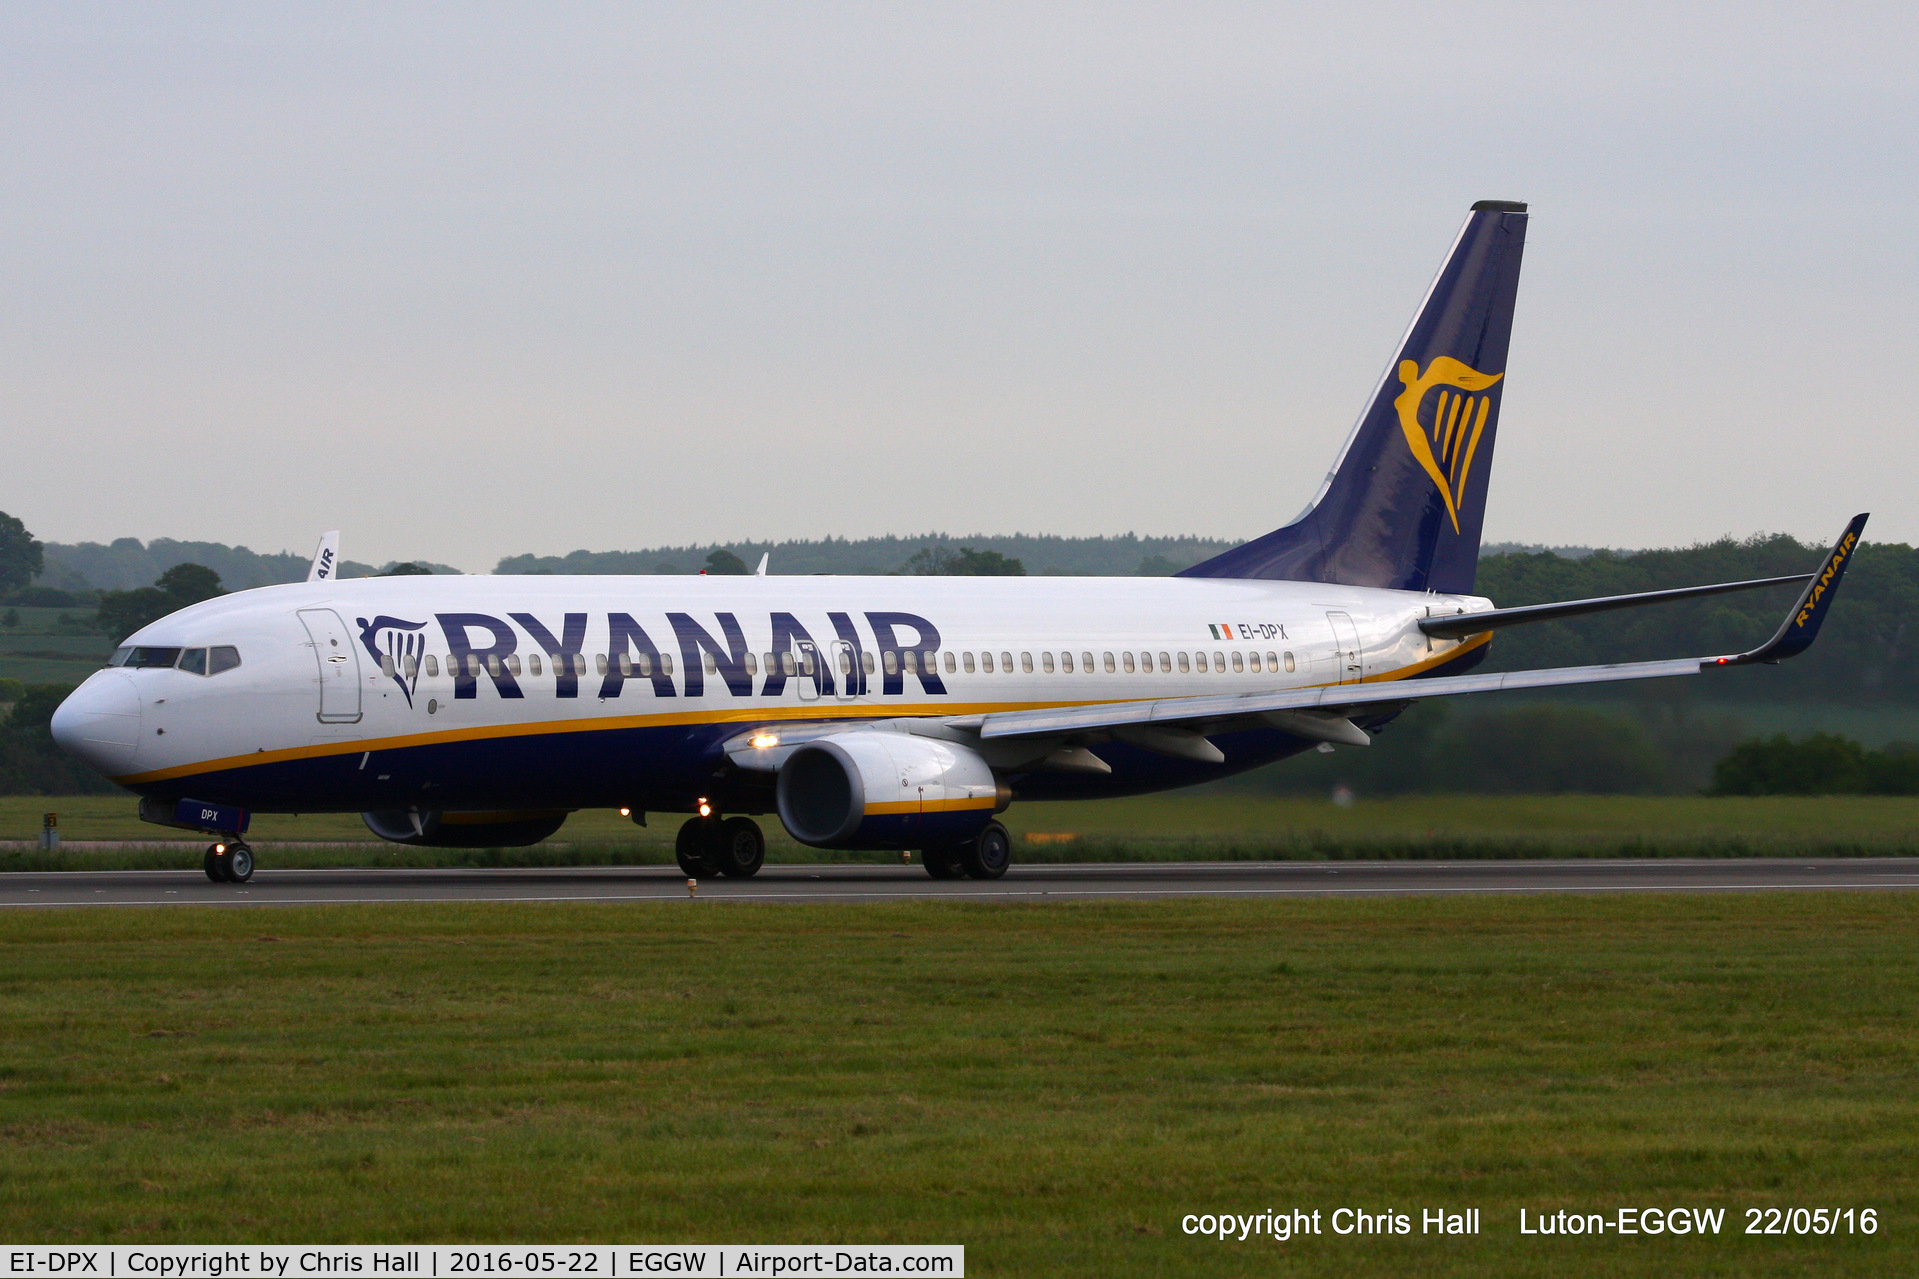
(1444, 446)
(401, 643)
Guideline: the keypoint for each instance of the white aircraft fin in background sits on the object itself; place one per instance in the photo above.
(761, 570)
(326, 558)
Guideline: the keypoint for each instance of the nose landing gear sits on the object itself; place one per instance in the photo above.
(230, 862)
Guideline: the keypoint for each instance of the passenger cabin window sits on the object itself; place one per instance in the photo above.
(909, 660)
(1289, 663)
(950, 663)
(986, 662)
(1046, 662)
(1239, 661)
(1006, 662)
(966, 660)
(1184, 663)
(386, 665)
(1066, 662)
(412, 667)
(1110, 667)
(891, 661)
(513, 664)
(1026, 662)
(1166, 662)
(1252, 660)
(1127, 662)
(712, 665)
(1199, 662)
(433, 666)
(599, 663)
(1219, 662)
(866, 661)
(193, 661)
(787, 665)
(533, 664)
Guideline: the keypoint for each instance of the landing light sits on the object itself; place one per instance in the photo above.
(706, 809)
(762, 741)
(626, 812)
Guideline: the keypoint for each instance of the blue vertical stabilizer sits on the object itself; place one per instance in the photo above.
(1402, 508)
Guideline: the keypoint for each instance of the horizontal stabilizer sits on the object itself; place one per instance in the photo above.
(1464, 624)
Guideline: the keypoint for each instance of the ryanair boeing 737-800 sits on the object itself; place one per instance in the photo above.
(867, 712)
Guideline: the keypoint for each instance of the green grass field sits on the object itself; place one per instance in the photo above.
(1184, 825)
(1054, 1087)
(44, 650)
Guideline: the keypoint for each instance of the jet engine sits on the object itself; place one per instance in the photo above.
(885, 790)
(431, 828)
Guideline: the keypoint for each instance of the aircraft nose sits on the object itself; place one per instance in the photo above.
(100, 722)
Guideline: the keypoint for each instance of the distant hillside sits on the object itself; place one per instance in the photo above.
(126, 563)
(1126, 556)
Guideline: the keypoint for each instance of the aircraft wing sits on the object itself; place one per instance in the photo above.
(1319, 712)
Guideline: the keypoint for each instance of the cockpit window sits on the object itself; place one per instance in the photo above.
(145, 657)
(194, 661)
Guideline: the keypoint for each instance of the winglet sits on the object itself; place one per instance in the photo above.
(326, 558)
(1801, 627)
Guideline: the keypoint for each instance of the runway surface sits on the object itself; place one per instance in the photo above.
(1071, 882)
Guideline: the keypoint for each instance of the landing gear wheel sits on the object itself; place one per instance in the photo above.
(941, 863)
(690, 847)
(739, 850)
(239, 861)
(988, 854)
(215, 863)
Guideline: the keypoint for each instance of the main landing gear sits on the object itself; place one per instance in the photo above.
(733, 847)
(228, 862)
(985, 856)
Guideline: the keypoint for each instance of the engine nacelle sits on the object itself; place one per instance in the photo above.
(429, 828)
(885, 790)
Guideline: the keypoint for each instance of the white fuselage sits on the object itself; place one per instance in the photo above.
(512, 671)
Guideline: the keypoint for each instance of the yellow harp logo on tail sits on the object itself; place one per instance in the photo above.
(1459, 417)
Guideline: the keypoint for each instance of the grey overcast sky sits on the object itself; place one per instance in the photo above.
(469, 280)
